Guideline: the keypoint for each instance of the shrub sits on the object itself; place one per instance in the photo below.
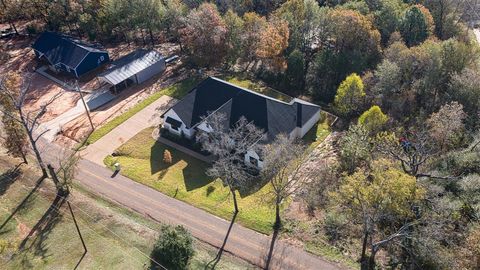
(334, 224)
(32, 29)
(461, 162)
(173, 249)
(373, 119)
(167, 157)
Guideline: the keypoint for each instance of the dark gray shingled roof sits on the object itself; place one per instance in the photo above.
(271, 115)
(59, 48)
(130, 64)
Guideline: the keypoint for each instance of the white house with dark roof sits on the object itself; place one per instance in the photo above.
(214, 95)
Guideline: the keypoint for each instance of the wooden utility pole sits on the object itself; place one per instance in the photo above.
(84, 105)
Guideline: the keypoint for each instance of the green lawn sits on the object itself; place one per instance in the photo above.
(257, 87)
(185, 179)
(319, 132)
(116, 238)
(177, 90)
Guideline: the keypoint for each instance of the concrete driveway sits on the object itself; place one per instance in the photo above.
(94, 100)
(147, 117)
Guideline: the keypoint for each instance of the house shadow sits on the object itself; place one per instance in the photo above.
(193, 173)
(255, 183)
(156, 159)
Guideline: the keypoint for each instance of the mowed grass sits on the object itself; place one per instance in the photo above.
(56, 244)
(185, 179)
(177, 90)
(116, 238)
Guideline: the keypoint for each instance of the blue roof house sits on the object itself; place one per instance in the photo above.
(67, 54)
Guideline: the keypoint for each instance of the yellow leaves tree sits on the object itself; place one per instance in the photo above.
(350, 95)
(373, 119)
(371, 196)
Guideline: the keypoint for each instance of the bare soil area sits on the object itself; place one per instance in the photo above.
(21, 59)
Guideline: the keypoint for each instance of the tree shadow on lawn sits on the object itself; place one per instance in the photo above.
(253, 186)
(193, 174)
(8, 178)
(42, 229)
(23, 204)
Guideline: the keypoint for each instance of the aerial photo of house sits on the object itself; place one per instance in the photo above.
(240, 135)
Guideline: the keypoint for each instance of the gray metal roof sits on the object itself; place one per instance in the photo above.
(130, 65)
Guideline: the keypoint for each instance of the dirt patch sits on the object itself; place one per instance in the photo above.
(23, 230)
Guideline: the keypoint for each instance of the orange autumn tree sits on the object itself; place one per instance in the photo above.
(273, 42)
(253, 27)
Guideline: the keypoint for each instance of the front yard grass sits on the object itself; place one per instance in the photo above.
(177, 90)
(141, 159)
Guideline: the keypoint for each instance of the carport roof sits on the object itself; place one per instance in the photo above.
(130, 65)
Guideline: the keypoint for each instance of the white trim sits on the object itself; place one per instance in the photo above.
(82, 60)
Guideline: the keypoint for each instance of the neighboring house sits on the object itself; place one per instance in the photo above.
(67, 54)
(133, 68)
(213, 95)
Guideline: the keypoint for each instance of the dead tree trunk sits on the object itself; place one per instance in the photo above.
(234, 196)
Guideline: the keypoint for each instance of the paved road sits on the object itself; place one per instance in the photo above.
(147, 117)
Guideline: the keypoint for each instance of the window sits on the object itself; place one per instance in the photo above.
(254, 161)
(174, 127)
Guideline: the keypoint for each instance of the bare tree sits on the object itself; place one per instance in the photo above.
(412, 151)
(67, 167)
(13, 93)
(282, 163)
(229, 146)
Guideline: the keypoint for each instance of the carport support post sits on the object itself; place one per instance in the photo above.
(84, 105)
